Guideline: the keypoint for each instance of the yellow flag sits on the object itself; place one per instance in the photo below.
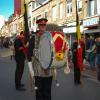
(22, 7)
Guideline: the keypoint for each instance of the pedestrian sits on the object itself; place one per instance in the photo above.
(92, 52)
(43, 77)
(77, 71)
(20, 61)
(98, 56)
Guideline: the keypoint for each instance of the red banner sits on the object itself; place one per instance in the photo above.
(17, 7)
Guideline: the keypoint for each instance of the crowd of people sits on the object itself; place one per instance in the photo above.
(5, 42)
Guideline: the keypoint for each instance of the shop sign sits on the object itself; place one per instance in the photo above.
(91, 21)
(71, 29)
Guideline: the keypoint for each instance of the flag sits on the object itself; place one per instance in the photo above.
(26, 28)
(22, 7)
(78, 34)
(17, 7)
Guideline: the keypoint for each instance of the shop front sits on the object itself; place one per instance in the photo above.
(70, 32)
(92, 26)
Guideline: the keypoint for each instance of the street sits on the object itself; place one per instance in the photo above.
(89, 90)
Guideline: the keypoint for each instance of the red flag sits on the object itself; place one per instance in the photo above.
(78, 34)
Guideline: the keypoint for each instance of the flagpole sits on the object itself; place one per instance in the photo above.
(78, 39)
(26, 28)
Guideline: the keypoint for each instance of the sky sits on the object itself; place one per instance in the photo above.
(6, 9)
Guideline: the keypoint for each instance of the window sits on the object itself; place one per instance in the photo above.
(42, 1)
(46, 15)
(33, 5)
(69, 7)
(33, 21)
(54, 13)
(98, 8)
(61, 10)
(15, 27)
(38, 17)
(91, 7)
(79, 5)
(37, 4)
(29, 11)
(29, 24)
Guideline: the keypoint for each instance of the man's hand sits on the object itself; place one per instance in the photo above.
(27, 44)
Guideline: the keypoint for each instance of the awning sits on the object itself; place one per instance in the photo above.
(92, 31)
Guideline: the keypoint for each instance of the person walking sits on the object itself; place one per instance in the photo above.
(92, 53)
(98, 56)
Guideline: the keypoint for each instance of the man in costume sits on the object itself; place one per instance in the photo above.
(43, 77)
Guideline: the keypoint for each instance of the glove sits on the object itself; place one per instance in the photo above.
(31, 71)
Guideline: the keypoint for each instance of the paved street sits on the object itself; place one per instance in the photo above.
(90, 90)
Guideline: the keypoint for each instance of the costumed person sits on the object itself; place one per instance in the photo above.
(77, 71)
(51, 27)
(20, 61)
(43, 77)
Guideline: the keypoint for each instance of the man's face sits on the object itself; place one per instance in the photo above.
(91, 37)
(22, 35)
(42, 27)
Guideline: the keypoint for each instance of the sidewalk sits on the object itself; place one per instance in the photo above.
(5, 52)
(87, 72)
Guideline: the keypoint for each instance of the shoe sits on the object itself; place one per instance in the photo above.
(21, 85)
(77, 83)
(20, 89)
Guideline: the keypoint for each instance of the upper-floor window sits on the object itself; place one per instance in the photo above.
(29, 10)
(40, 2)
(61, 10)
(69, 7)
(33, 5)
(38, 17)
(15, 27)
(29, 24)
(46, 15)
(20, 25)
(79, 5)
(54, 13)
(91, 7)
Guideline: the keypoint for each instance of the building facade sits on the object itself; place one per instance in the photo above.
(62, 13)
(91, 20)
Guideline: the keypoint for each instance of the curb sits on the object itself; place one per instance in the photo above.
(92, 78)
